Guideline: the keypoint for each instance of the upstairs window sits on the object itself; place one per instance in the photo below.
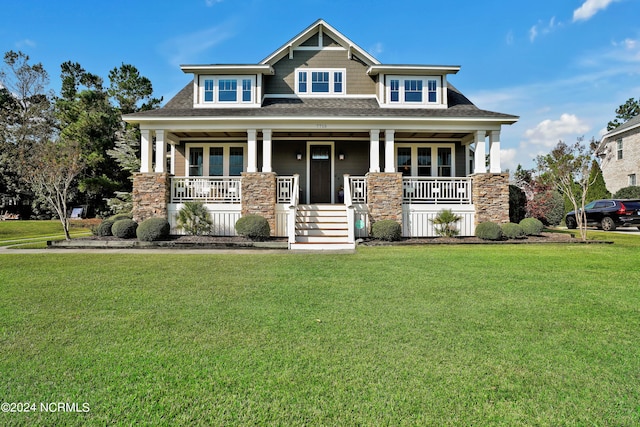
(413, 90)
(227, 90)
(323, 82)
(619, 148)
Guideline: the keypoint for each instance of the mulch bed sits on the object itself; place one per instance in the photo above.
(543, 238)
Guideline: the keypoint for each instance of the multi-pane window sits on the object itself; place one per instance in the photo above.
(632, 179)
(246, 90)
(208, 90)
(216, 161)
(424, 161)
(395, 90)
(224, 159)
(444, 161)
(302, 82)
(337, 82)
(195, 161)
(412, 90)
(227, 89)
(236, 161)
(619, 148)
(322, 82)
(404, 160)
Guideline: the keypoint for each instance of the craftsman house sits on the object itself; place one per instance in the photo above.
(322, 140)
(619, 152)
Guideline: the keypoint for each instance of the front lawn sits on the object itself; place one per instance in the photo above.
(435, 335)
(37, 233)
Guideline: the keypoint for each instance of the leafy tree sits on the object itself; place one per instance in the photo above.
(624, 113)
(26, 119)
(631, 192)
(565, 166)
(50, 169)
(597, 190)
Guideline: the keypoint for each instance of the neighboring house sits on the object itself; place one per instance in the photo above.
(322, 140)
(619, 152)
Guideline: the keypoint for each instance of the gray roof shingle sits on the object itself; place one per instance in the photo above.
(181, 105)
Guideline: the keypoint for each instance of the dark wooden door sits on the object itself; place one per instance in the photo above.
(320, 173)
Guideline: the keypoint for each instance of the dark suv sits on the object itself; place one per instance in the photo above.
(609, 214)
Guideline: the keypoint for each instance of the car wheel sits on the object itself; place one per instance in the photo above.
(571, 222)
(607, 224)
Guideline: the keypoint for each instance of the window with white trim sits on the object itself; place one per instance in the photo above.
(226, 90)
(632, 179)
(619, 148)
(425, 159)
(222, 159)
(310, 81)
(412, 90)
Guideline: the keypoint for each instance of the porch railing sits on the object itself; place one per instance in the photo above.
(284, 189)
(206, 189)
(436, 190)
(358, 188)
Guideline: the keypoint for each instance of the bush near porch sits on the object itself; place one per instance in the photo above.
(387, 336)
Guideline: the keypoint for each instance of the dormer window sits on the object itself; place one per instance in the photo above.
(320, 82)
(413, 90)
(224, 90)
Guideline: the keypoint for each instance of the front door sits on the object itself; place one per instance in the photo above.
(320, 174)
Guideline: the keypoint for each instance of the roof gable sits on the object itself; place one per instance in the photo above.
(320, 35)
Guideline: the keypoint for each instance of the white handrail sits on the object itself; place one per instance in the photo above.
(436, 190)
(351, 232)
(225, 189)
(293, 208)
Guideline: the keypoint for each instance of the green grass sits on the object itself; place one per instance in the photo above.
(34, 234)
(436, 335)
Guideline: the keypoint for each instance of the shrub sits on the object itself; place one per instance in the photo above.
(511, 230)
(194, 219)
(386, 230)
(489, 231)
(118, 217)
(531, 226)
(631, 192)
(152, 229)
(445, 223)
(517, 204)
(104, 229)
(124, 228)
(255, 227)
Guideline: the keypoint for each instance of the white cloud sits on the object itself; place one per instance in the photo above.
(510, 38)
(376, 49)
(589, 8)
(186, 48)
(543, 28)
(210, 3)
(25, 44)
(508, 159)
(548, 132)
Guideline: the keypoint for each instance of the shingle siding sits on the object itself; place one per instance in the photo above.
(283, 81)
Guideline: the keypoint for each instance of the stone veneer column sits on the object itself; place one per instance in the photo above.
(151, 194)
(384, 196)
(491, 197)
(259, 196)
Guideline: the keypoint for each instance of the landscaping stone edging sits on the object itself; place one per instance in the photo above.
(134, 244)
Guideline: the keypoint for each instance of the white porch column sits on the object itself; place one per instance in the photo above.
(374, 150)
(494, 152)
(146, 151)
(479, 156)
(161, 152)
(252, 148)
(389, 155)
(266, 150)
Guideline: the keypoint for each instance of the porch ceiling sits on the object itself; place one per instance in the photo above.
(323, 135)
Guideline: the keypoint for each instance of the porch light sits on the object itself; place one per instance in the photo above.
(341, 156)
(298, 155)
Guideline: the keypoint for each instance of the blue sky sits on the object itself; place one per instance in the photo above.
(562, 66)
